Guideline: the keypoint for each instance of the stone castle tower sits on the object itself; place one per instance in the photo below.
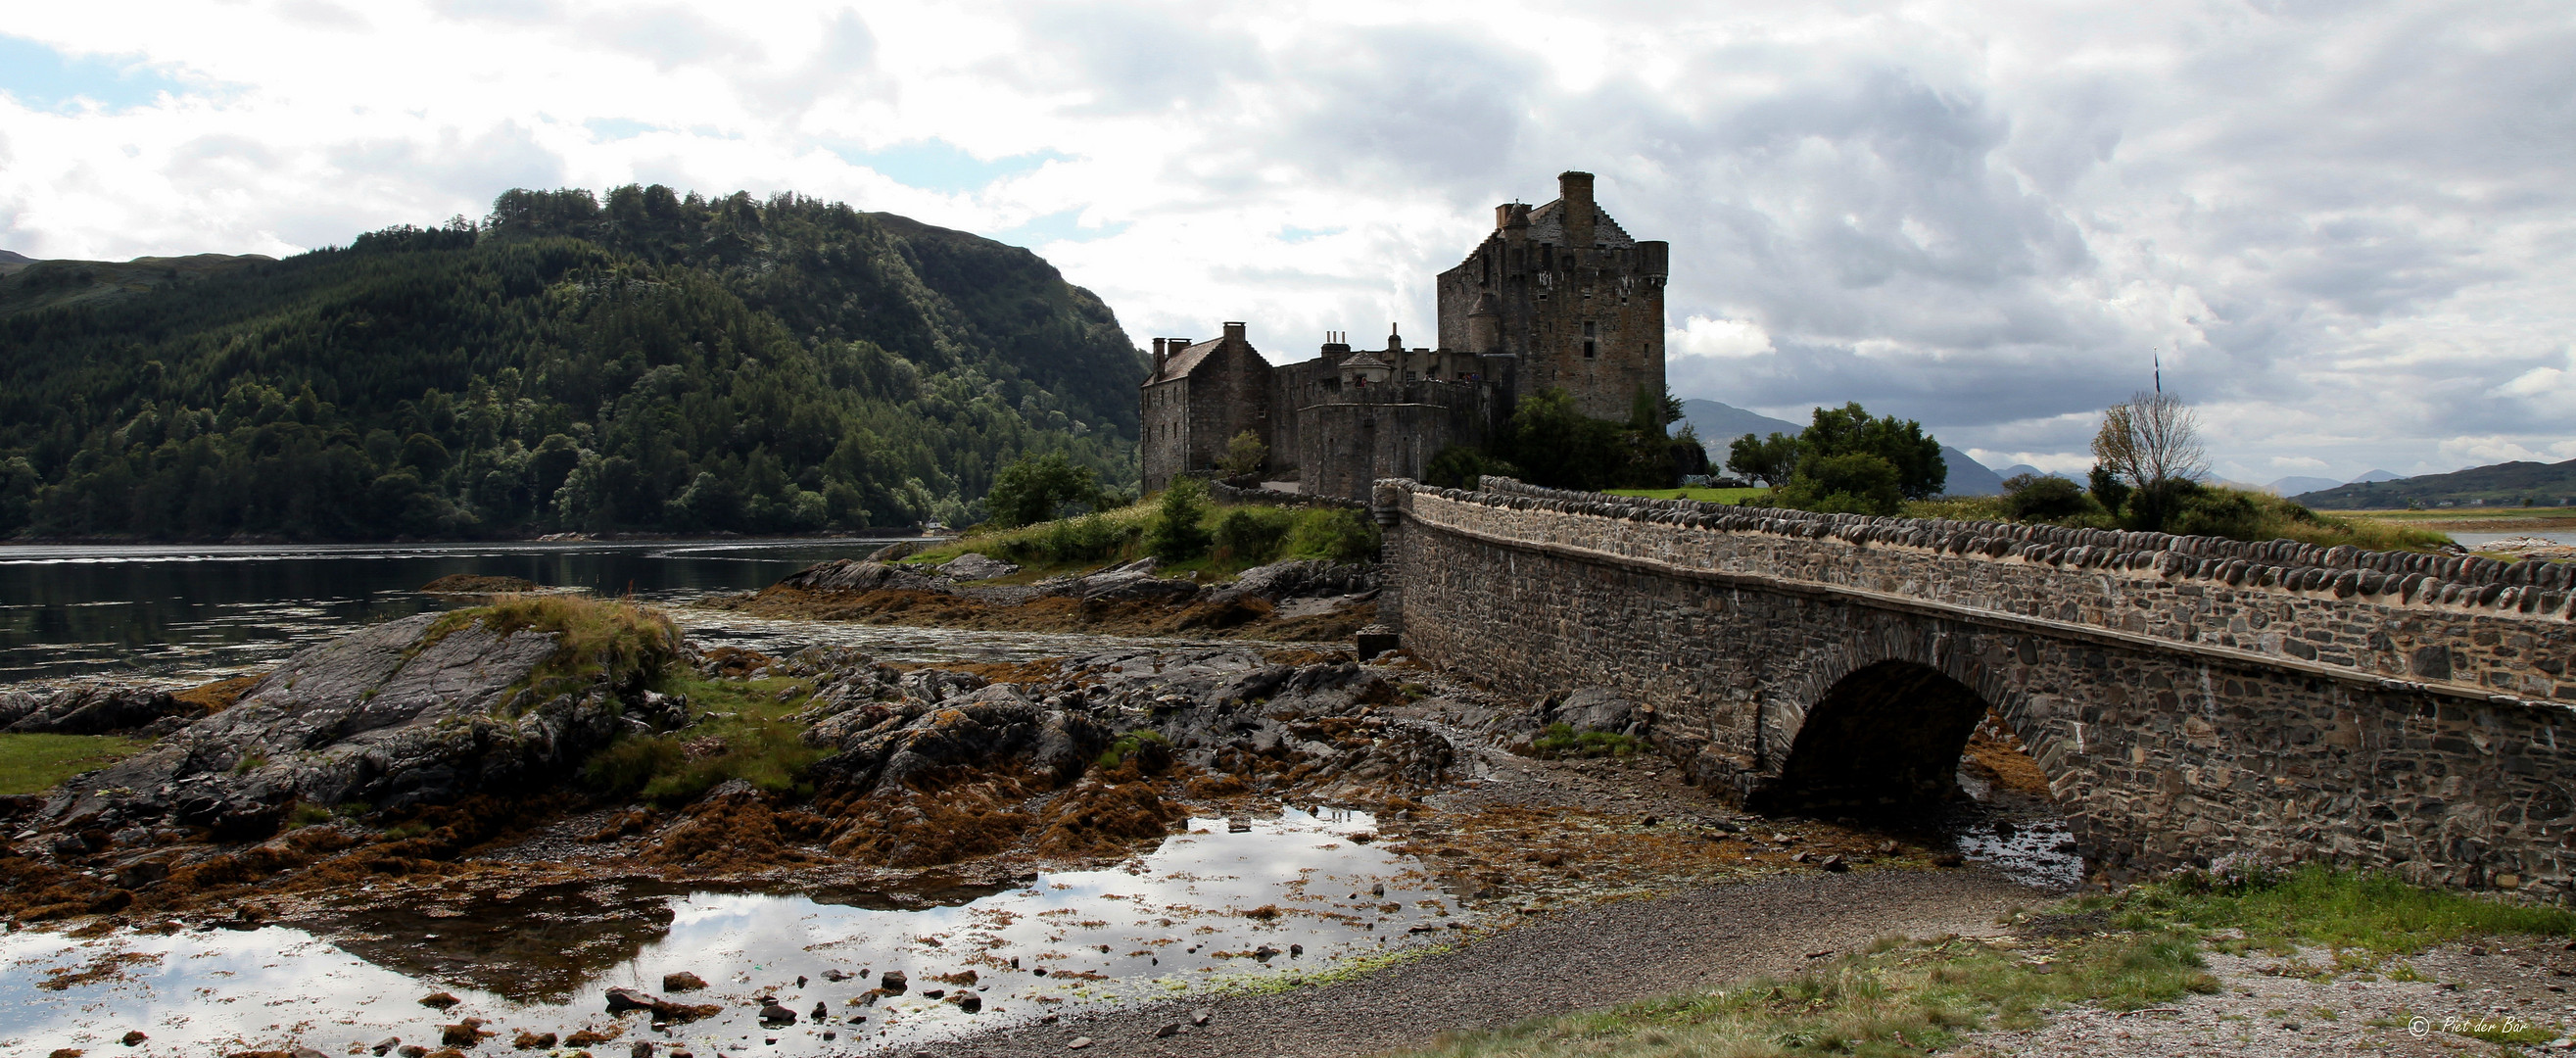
(1559, 296)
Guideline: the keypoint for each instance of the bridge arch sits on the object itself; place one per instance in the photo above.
(1883, 738)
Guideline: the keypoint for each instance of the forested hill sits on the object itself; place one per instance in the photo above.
(649, 362)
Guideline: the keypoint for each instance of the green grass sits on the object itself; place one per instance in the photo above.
(1116, 537)
(595, 638)
(34, 763)
(2139, 949)
(1559, 740)
(761, 746)
(1728, 496)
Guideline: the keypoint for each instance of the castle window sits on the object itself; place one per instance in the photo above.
(1590, 350)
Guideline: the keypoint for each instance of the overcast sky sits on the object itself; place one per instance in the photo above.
(2346, 225)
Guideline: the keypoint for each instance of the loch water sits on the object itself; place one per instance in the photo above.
(186, 614)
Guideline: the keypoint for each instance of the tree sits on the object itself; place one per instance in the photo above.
(1849, 483)
(1768, 460)
(2151, 438)
(2108, 490)
(2039, 497)
(1034, 487)
(1920, 471)
(1244, 454)
(1175, 534)
(2152, 443)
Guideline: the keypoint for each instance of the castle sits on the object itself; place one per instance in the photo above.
(1559, 296)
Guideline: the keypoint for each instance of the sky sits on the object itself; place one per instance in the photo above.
(2344, 227)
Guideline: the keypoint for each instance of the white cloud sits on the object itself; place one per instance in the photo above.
(2343, 227)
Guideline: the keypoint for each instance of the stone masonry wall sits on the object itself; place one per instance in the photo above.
(2189, 699)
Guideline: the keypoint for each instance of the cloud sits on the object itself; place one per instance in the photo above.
(2345, 229)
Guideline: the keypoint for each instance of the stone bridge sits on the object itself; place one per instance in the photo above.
(2188, 698)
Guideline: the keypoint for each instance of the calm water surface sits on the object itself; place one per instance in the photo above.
(1171, 920)
(207, 611)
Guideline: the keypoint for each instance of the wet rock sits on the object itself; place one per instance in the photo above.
(439, 1000)
(306, 1052)
(835, 975)
(90, 709)
(842, 574)
(134, 1037)
(1077, 1043)
(588, 1038)
(1169, 1030)
(530, 1041)
(385, 1046)
(683, 981)
(821, 1011)
(974, 566)
(621, 1000)
(773, 1014)
(1600, 709)
(640, 1049)
(894, 982)
(933, 993)
(1134, 582)
(1304, 578)
(466, 1033)
(383, 715)
(412, 1050)
(1834, 864)
(966, 1001)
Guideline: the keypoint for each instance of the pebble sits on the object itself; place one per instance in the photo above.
(1078, 1043)
(136, 1036)
(1202, 1016)
(1169, 1029)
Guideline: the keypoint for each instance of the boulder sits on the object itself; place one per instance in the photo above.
(973, 566)
(390, 715)
(843, 574)
(1304, 578)
(90, 709)
(682, 981)
(1600, 709)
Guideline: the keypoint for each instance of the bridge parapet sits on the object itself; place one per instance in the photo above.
(2455, 625)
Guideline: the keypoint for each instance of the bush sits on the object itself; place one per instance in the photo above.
(1176, 535)
(1252, 534)
(2220, 512)
(1029, 491)
(1454, 467)
(1850, 483)
(1334, 535)
(2043, 497)
(1559, 740)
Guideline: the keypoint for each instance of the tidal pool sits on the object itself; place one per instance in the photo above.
(1192, 914)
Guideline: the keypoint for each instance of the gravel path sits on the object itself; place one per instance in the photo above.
(1576, 960)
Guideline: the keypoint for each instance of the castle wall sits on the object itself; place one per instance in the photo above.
(1386, 431)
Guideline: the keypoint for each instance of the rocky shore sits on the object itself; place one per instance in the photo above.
(1295, 601)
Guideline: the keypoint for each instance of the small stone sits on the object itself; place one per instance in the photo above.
(1169, 1029)
(641, 1049)
(386, 1046)
(800, 980)
(967, 1001)
(466, 1033)
(1380, 890)
(682, 981)
(1078, 1043)
(831, 1035)
(135, 1036)
(835, 975)
(1047, 1020)
(894, 982)
(820, 1011)
(1295, 950)
(306, 1052)
(1264, 952)
(411, 1050)
(934, 993)
(439, 1000)
(1887, 848)
(1651, 821)
(1202, 1016)
(775, 1014)
(1835, 864)
(530, 1041)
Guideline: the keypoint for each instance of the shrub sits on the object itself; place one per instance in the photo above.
(1252, 534)
(1334, 535)
(1148, 748)
(2042, 497)
(2220, 512)
(1029, 491)
(1175, 534)
(1455, 467)
(1559, 740)
(1850, 483)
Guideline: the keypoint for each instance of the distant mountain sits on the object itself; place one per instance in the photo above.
(1719, 425)
(2503, 484)
(48, 284)
(2377, 475)
(11, 261)
(2292, 486)
(1969, 477)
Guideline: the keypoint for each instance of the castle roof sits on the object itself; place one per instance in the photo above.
(1362, 359)
(1547, 225)
(1182, 363)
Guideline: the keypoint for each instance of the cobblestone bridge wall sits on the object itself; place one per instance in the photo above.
(2188, 698)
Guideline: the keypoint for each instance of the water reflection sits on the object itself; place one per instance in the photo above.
(206, 611)
(1204, 906)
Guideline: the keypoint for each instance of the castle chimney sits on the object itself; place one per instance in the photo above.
(1574, 193)
(1234, 332)
(1162, 355)
(1394, 340)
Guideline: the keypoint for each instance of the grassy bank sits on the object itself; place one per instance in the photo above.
(34, 763)
(1242, 536)
(2140, 949)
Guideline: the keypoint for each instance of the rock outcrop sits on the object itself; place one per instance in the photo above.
(93, 709)
(408, 712)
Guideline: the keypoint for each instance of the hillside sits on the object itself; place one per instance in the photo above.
(648, 362)
(1720, 424)
(2502, 484)
(12, 261)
